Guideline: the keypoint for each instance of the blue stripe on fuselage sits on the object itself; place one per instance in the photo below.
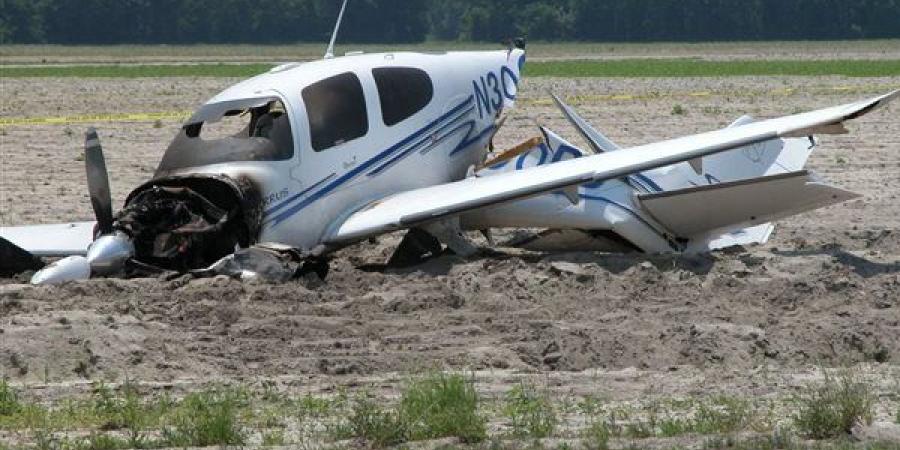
(423, 140)
(362, 167)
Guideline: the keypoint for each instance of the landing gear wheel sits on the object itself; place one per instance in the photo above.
(416, 247)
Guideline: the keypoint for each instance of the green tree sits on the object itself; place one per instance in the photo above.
(403, 21)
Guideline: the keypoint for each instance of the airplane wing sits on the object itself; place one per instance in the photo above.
(420, 206)
(51, 240)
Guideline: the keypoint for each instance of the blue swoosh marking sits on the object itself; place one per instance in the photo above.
(469, 141)
(648, 181)
(366, 165)
(424, 140)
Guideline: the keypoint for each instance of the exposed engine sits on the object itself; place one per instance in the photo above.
(187, 223)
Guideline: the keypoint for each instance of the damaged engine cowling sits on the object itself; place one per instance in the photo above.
(184, 223)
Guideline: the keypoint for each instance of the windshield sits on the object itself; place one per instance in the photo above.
(255, 129)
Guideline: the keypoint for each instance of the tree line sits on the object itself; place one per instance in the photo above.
(407, 21)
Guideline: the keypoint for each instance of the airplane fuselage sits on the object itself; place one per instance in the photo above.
(408, 121)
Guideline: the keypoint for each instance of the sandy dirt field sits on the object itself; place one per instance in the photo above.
(756, 322)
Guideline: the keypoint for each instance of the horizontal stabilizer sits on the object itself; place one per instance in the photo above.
(692, 211)
(52, 240)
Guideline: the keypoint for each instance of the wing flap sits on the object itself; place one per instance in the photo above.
(417, 206)
(693, 211)
(52, 240)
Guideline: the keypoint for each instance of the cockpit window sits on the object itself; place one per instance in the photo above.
(403, 91)
(240, 130)
(337, 111)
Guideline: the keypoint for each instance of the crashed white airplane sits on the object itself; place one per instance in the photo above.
(339, 150)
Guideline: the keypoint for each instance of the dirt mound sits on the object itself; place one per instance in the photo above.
(530, 311)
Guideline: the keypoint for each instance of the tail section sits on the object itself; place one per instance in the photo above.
(720, 201)
(725, 199)
(765, 158)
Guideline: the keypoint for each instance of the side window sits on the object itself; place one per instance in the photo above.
(403, 91)
(336, 108)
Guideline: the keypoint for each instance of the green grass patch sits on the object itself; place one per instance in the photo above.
(778, 440)
(654, 68)
(443, 405)
(125, 419)
(686, 67)
(9, 400)
(425, 408)
(205, 419)
(708, 416)
(50, 54)
(530, 411)
(436, 406)
(832, 409)
(137, 71)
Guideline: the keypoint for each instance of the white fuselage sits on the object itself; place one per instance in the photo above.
(306, 196)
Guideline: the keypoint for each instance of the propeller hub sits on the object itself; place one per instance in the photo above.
(109, 253)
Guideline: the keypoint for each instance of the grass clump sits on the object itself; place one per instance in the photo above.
(125, 410)
(531, 413)
(717, 415)
(443, 405)
(776, 441)
(205, 419)
(595, 436)
(832, 409)
(9, 400)
(436, 406)
(690, 67)
(721, 415)
(376, 424)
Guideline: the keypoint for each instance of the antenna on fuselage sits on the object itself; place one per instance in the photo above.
(330, 52)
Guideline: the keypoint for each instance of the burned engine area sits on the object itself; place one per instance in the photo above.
(184, 223)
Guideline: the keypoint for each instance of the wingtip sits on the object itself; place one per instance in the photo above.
(859, 109)
(885, 99)
(892, 95)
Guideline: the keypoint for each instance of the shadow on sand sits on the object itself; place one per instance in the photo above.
(861, 266)
(613, 262)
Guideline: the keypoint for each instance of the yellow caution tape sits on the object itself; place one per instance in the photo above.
(93, 118)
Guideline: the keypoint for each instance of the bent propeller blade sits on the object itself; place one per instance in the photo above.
(98, 181)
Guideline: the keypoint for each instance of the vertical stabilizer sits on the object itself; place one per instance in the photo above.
(597, 140)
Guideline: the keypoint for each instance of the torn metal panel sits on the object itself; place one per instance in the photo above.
(254, 263)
